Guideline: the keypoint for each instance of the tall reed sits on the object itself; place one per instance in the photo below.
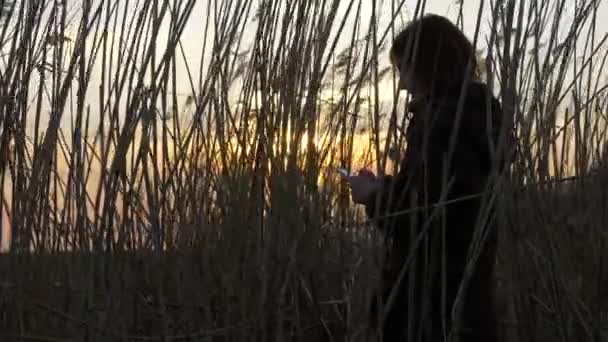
(168, 166)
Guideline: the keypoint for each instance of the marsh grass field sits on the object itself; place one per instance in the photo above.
(154, 189)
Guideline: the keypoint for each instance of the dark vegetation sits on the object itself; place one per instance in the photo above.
(138, 213)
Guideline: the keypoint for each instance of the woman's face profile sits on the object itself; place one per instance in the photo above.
(407, 79)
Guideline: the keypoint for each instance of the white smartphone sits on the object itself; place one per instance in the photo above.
(343, 172)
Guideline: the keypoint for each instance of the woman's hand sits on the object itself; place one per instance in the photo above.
(363, 186)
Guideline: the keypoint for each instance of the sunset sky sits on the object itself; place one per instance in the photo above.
(193, 38)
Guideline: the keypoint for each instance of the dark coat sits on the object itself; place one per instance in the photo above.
(438, 237)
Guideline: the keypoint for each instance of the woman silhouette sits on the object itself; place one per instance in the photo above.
(451, 153)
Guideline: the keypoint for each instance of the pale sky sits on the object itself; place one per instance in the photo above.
(192, 37)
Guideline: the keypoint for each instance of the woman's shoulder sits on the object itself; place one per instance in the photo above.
(479, 93)
(441, 111)
(477, 97)
(479, 102)
(476, 94)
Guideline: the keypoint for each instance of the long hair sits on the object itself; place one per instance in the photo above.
(438, 53)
